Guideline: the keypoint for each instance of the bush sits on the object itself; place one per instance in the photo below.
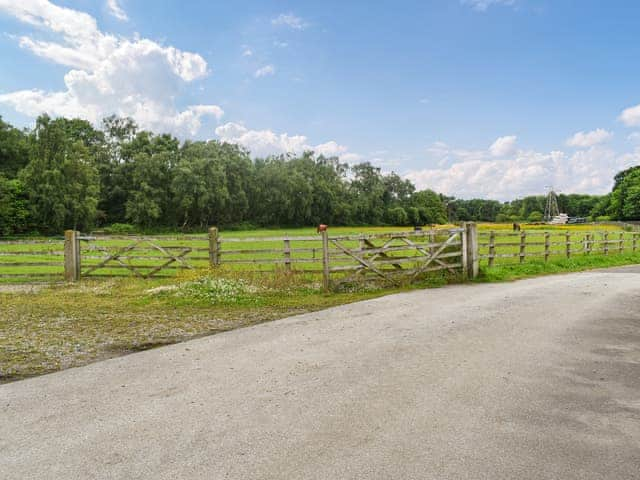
(119, 228)
(397, 216)
(535, 216)
(413, 215)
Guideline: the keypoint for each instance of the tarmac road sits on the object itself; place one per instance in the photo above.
(536, 379)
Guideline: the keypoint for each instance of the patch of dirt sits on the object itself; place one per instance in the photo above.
(22, 288)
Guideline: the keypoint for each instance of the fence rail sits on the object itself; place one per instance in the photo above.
(496, 245)
(32, 260)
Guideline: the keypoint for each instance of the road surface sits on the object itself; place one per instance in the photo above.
(537, 379)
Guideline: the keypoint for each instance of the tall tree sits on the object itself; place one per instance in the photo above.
(60, 179)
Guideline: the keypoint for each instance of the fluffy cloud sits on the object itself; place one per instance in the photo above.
(263, 143)
(129, 77)
(634, 137)
(503, 146)
(589, 139)
(631, 116)
(483, 5)
(265, 71)
(116, 10)
(290, 20)
(480, 174)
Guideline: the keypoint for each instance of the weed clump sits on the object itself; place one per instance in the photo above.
(218, 290)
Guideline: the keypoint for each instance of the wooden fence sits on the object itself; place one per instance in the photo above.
(395, 257)
(498, 247)
(384, 256)
(32, 260)
(387, 257)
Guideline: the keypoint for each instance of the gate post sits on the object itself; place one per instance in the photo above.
(325, 261)
(214, 254)
(71, 256)
(472, 255)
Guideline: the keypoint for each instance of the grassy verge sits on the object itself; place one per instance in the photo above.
(538, 267)
(50, 328)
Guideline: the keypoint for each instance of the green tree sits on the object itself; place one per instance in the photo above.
(60, 179)
(430, 207)
(14, 150)
(14, 207)
(148, 203)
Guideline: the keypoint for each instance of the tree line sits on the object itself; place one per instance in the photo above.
(65, 173)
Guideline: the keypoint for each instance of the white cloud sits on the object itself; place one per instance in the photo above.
(589, 139)
(469, 174)
(503, 146)
(265, 71)
(634, 137)
(263, 143)
(290, 20)
(116, 10)
(247, 52)
(483, 5)
(423, 101)
(631, 116)
(109, 75)
(351, 157)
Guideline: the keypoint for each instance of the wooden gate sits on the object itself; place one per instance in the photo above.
(395, 257)
(142, 257)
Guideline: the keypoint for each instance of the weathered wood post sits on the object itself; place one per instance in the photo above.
(492, 248)
(621, 250)
(71, 256)
(568, 243)
(547, 245)
(523, 246)
(214, 247)
(287, 254)
(634, 242)
(585, 244)
(432, 241)
(473, 256)
(605, 235)
(325, 261)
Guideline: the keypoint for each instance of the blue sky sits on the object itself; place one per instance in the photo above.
(473, 98)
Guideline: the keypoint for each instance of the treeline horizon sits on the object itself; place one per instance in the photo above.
(67, 174)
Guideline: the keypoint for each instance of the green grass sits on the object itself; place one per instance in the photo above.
(61, 326)
(533, 268)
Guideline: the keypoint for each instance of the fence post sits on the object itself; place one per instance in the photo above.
(605, 235)
(621, 242)
(492, 248)
(71, 256)
(523, 246)
(214, 253)
(287, 254)
(634, 241)
(568, 243)
(585, 244)
(547, 245)
(325, 261)
(473, 259)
